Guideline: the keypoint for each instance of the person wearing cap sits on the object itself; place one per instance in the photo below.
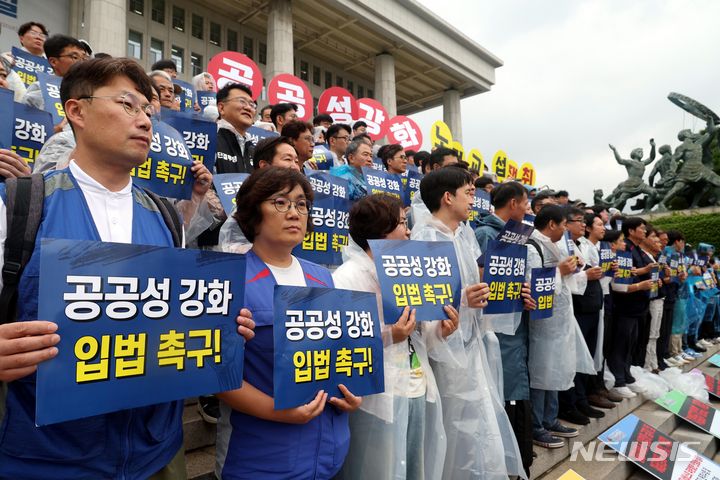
(542, 198)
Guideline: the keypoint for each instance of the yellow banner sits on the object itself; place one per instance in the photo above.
(527, 174)
(457, 146)
(512, 170)
(570, 475)
(440, 135)
(500, 165)
(475, 161)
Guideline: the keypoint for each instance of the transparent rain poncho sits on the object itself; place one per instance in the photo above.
(468, 369)
(379, 429)
(557, 348)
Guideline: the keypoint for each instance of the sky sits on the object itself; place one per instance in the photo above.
(578, 75)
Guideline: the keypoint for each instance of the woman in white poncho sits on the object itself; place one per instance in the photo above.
(397, 434)
(467, 365)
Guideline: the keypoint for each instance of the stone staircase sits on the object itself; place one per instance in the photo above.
(199, 443)
(551, 464)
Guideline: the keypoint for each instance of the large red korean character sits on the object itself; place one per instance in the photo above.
(406, 132)
(286, 88)
(234, 67)
(339, 104)
(374, 115)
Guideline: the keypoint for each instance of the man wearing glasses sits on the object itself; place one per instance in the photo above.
(237, 113)
(338, 140)
(62, 52)
(32, 37)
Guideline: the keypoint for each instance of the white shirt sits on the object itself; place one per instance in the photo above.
(292, 275)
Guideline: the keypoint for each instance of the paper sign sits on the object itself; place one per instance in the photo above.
(339, 104)
(286, 88)
(406, 132)
(382, 182)
(235, 67)
(694, 411)
(504, 272)
(32, 128)
(374, 114)
(28, 66)
(542, 290)
(50, 88)
(226, 187)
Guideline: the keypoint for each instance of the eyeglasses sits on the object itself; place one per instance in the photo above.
(130, 103)
(401, 157)
(579, 220)
(307, 138)
(36, 34)
(283, 204)
(242, 101)
(75, 57)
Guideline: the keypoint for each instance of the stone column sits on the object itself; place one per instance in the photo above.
(451, 113)
(106, 26)
(279, 39)
(385, 82)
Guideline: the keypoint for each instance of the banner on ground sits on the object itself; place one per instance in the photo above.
(166, 172)
(422, 275)
(657, 453)
(140, 325)
(329, 216)
(27, 66)
(713, 386)
(226, 187)
(325, 337)
(542, 290)
(694, 411)
(504, 272)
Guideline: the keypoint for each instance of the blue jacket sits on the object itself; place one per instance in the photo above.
(127, 444)
(356, 181)
(262, 449)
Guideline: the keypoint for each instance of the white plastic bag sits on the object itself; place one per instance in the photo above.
(691, 384)
(654, 386)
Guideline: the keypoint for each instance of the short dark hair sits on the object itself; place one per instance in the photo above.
(164, 64)
(334, 129)
(387, 152)
(611, 236)
(547, 214)
(224, 92)
(562, 193)
(439, 154)
(294, 128)
(323, 117)
(373, 217)
(541, 195)
(266, 107)
(102, 55)
(434, 185)
(599, 208)
(589, 219)
(674, 236)
(266, 148)
(632, 223)
(423, 157)
(54, 45)
(363, 136)
(649, 230)
(83, 78)
(482, 182)
(574, 212)
(281, 109)
(260, 186)
(25, 27)
(359, 124)
(505, 192)
(410, 153)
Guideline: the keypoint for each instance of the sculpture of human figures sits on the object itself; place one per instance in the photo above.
(693, 170)
(666, 167)
(634, 185)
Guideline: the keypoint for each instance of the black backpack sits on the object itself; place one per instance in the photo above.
(24, 202)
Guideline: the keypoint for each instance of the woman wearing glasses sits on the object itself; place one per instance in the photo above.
(254, 440)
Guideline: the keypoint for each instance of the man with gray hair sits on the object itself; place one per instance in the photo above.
(163, 82)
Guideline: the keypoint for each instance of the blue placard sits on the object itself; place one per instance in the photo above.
(382, 182)
(6, 121)
(654, 276)
(378, 164)
(200, 137)
(607, 257)
(322, 157)
(480, 206)
(674, 264)
(504, 272)
(422, 275)
(542, 290)
(256, 134)
(330, 212)
(50, 88)
(138, 324)
(166, 171)
(27, 66)
(226, 187)
(325, 337)
(206, 98)
(411, 185)
(187, 95)
(515, 232)
(623, 275)
(32, 128)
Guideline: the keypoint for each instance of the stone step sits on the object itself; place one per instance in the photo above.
(201, 464)
(197, 432)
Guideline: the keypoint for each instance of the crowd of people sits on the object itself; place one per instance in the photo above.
(466, 396)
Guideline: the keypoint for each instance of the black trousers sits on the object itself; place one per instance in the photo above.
(582, 384)
(519, 413)
(623, 340)
(643, 337)
(663, 341)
